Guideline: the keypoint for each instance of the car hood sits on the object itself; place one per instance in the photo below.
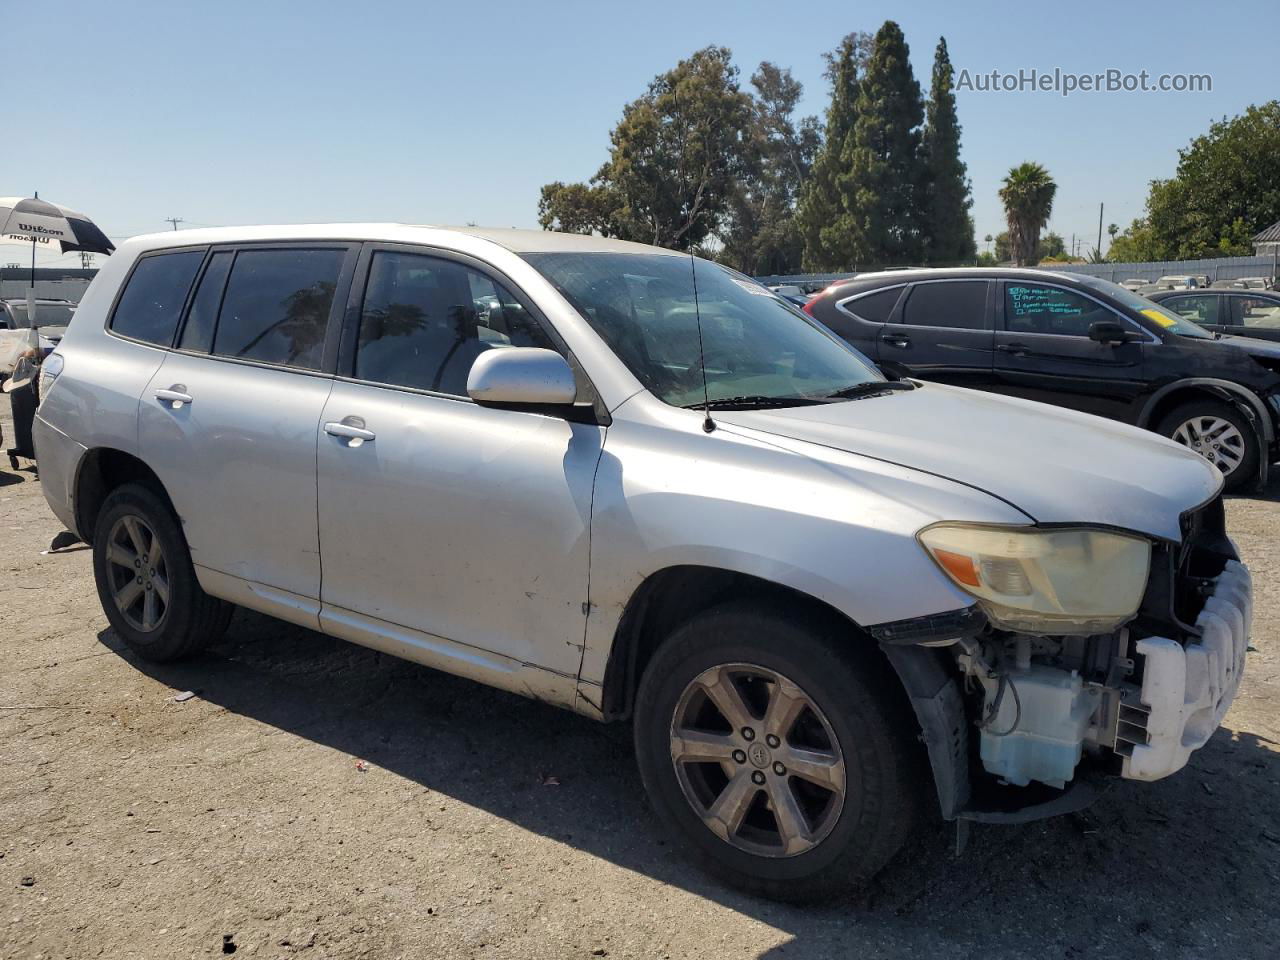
(1254, 347)
(1055, 465)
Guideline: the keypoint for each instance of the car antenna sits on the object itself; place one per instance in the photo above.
(708, 425)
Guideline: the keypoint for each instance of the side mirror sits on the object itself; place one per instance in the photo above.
(1108, 331)
(521, 376)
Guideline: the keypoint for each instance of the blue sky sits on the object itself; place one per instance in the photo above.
(235, 112)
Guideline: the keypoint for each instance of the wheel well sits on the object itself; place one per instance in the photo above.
(1176, 398)
(672, 596)
(103, 470)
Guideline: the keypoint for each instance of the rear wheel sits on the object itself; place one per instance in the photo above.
(145, 579)
(778, 751)
(1221, 434)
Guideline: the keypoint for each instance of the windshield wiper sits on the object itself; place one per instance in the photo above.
(752, 402)
(870, 389)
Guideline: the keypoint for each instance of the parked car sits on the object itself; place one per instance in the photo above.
(52, 317)
(791, 293)
(1135, 283)
(1074, 341)
(1259, 283)
(787, 289)
(1183, 282)
(1240, 312)
(825, 599)
(21, 350)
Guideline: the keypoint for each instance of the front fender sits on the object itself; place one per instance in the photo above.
(1243, 399)
(828, 524)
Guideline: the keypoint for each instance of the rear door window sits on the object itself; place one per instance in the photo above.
(1040, 308)
(197, 333)
(276, 306)
(950, 303)
(154, 295)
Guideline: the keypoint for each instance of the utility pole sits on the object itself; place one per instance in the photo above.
(1099, 231)
(174, 220)
(86, 260)
(1073, 246)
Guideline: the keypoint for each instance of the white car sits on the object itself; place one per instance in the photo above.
(639, 485)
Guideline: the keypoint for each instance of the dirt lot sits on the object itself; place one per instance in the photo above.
(134, 825)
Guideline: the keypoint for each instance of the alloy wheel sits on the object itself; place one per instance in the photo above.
(138, 574)
(1215, 439)
(757, 760)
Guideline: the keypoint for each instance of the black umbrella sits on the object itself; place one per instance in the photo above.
(30, 218)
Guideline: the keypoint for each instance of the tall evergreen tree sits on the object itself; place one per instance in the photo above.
(823, 222)
(946, 226)
(884, 175)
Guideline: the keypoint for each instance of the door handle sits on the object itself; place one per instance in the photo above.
(896, 339)
(1017, 349)
(176, 396)
(350, 429)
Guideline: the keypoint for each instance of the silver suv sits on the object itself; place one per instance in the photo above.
(639, 485)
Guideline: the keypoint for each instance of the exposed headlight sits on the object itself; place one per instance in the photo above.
(1071, 581)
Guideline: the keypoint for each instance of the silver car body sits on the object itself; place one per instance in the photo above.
(506, 545)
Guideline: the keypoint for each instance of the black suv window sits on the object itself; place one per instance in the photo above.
(276, 306)
(152, 300)
(426, 319)
(947, 303)
(875, 307)
(1040, 308)
(1200, 308)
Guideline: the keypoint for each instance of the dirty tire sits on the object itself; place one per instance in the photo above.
(191, 618)
(843, 675)
(1246, 473)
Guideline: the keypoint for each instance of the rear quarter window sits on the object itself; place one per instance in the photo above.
(874, 307)
(153, 297)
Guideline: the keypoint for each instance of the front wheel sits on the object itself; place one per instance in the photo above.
(781, 751)
(1221, 434)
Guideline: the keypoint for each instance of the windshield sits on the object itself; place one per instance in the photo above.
(47, 314)
(1162, 317)
(754, 344)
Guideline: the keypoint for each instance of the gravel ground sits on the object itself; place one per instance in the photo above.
(133, 824)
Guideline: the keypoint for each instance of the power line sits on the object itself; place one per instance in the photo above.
(174, 220)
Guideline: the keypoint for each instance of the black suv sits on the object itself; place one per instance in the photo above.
(1075, 341)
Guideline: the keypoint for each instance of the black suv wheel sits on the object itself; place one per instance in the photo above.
(1221, 434)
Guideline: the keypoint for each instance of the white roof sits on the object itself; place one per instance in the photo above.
(517, 241)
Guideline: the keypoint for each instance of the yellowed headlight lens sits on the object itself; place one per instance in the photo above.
(1070, 581)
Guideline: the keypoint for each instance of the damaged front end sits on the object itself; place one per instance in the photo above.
(1021, 724)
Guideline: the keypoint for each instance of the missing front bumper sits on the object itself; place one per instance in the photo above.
(1186, 690)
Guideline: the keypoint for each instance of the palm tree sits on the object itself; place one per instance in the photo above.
(987, 240)
(1027, 196)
